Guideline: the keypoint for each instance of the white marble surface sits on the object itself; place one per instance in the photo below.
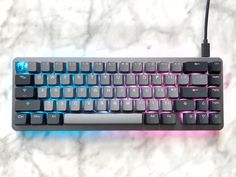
(116, 28)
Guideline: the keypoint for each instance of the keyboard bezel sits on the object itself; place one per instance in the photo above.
(179, 126)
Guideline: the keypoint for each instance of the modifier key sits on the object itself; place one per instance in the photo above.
(21, 119)
(195, 67)
(28, 105)
(169, 119)
(24, 79)
(193, 92)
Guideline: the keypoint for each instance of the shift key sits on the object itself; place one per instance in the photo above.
(28, 105)
(193, 92)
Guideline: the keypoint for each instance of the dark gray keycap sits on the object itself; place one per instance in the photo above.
(123, 118)
(62, 105)
(195, 67)
(166, 105)
(95, 92)
(25, 93)
(33, 67)
(184, 105)
(73, 67)
(68, 92)
(214, 80)
(159, 92)
(49, 105)
(189, 118)
(215, 67)
(105, 79)
(111, 67)
(82, 92)
(163, 67)
(150, 67)
(137, 67)
(66, 79)
(56, 92)
(99, 67)
(173, 92)
(214, 105)
(114, 105)
(59, 67)
(169, 79)
(215, 119)
(153, 105)
(146, 92)
(43, 92)
(79, 79)
(193, 92)
(54, 119)
(140, 105)
(169, 119)
(202, 118)
(46, 67)
(101, 105)
(85, 67)
(183, 79)
(118, 79)
(143, 79)
(22, 119)
(75, 105)
(130, 79)
(39, 79)
(108, 92)
(53, 79)
(201, 105)
(124, 67)
(152, 118)
(89, 105)
(37, 119)
(156, 79)
(176, 67)
(92, 79)
(214, 92)
(127, 105)
(24, 79)
(200, 79)
(134, 92)
(120, 92)
(27, 105)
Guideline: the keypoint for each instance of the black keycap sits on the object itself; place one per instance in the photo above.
(37, 119)
(101, 105)
(92, 79)
(88, 105)
(130, 79)
(214, 80)
(43, 92)
(53, 79)
(195, 67)
(193, 92)
(108, 92)
(34, 67)
(150, 67)
(215, 119)
(28, 105)
(75, 106)
(22, 119)
(134, 92)
(143, 79)
(176, 67)
(23, 93)
(202, 118)
(137, 67)
(85, 67)
(118, 79)
(163, 67)
(201, 105)
(54, 119)
(168, 119)
(39, 79)
(66, 79)
(73, 67)
(169, 79)
(214, 105)
(215, 67)
(105, 79)
(111, 67)
(200, 79)
(214, 92)
(59, 67)
(156, 79)
(79, 79)
(99, 67)
(127, 105)
(46, 67)
(114, 105)
(184, 105)
(189, 118)
(140, 105)
(24, 79)
(151, 118)
(124, 67)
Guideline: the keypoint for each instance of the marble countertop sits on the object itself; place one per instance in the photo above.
(116, 28)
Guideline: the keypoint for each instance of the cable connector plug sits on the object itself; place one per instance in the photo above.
(205, 49)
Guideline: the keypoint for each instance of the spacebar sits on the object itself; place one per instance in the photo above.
(103, 119)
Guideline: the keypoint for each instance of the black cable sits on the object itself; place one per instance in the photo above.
(205, 44)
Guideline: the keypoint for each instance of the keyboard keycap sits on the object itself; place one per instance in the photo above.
(146, 92)
(152, 118)
(201, 105)
(118, 79)
(124, 67)
(59, 67)
(214, 105)
(121, 92)
(176, 67)
(168, 119)
(143, 79)
(46, 67)
(49, 105)
(159, 92)
(22, 119)
(37, 119)
(108, 92)
(66, 79)
(39, 80)
(73, 67)
(43, 92)
(68, 92)
(189, 118)
(111, 67)
(184, 105)
(172, 92)
(183, 79)
(166, 105)
(53, 79)
(156, 79)
(95, 92)
(25, 93)
(130, 79)
(134, 92)
(195, 67)
(169, 79)
(88, 105)
(85, 67)
(215, 67)
(215, 119)
(150, 67)
(24, 79)
(105, 79)
(127, 105)
(198, 80)
(99, 67)
(137, 67)
(27, 105)
(163, 67)
(214, 80)
(54, 119)
(79, 79)
(56, 92)
(153, 105)
(33, 67)
(193, 92)
(101, 105)
(75, 105)
(114, 105)
(140, 105)
(202, 118)
(82, 92)
(92, 80)
(214, 92)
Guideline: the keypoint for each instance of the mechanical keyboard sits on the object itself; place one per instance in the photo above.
(117, 94)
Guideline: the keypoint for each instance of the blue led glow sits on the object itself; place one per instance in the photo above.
(21, 67)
